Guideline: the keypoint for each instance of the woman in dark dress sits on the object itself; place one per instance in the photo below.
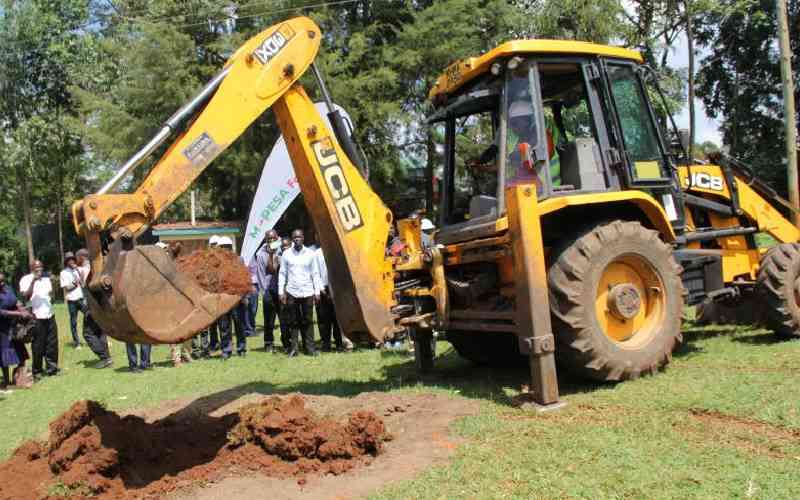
(12, 353)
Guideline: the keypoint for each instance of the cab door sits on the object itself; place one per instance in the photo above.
(643, 160)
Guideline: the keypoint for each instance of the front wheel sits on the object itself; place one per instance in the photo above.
(616, 299)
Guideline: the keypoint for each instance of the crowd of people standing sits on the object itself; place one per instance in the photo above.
(289, 279)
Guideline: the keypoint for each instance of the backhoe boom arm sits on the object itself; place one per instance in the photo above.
(351, 221)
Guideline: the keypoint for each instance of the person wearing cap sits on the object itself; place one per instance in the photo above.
(231, 322)
(72, 283)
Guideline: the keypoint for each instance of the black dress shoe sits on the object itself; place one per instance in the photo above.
(292, 353)
(104, 363)
(135, 369)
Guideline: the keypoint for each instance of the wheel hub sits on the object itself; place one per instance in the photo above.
(624, 301)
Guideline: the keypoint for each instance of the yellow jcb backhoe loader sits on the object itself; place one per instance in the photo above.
(568, 226)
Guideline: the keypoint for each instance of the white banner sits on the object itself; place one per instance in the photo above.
(277, 188)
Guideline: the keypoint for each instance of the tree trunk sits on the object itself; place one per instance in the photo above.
(60, 223)
(690, 46)
(22, 178)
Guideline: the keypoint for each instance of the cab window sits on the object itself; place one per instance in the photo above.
(573, 145)
(474, 188)
(639, 133)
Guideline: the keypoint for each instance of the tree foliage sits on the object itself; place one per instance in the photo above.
(85, 83)
(739, 81)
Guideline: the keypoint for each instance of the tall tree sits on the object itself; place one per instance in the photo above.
(739, 81)
(41, 39)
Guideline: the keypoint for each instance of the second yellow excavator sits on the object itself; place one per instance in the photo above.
(570, 228)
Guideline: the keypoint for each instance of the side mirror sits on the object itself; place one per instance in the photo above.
(679, 143)
(683, 137)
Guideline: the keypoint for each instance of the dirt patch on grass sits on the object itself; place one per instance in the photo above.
(292, 446)
(216, 270)
(747, 435)
(98, 452)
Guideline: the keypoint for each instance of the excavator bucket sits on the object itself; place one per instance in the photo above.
(141, 297)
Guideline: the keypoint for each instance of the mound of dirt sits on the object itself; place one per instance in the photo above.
(95, 452)
(216, 270)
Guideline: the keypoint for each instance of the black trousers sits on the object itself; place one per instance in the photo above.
(299, 312)
(94, 337)
(227, 323)
(272, 310)
(45, 346)
(74, 307)
(326, 321)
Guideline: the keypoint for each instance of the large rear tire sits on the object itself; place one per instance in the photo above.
(616, 300)
(778, 288)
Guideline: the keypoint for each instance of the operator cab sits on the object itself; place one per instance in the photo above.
(526, 113)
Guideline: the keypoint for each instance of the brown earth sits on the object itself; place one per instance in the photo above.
(95, 452)
(216, 270)
(215, 447)
(744, 434)
(421, 439)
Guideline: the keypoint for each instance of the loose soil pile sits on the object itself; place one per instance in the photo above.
(216, 270)
(95, 452)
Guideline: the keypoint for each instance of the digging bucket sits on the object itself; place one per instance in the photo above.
(141, 297)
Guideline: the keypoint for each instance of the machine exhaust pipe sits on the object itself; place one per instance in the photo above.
(174, 121)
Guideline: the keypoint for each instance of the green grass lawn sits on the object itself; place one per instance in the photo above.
(722, 422)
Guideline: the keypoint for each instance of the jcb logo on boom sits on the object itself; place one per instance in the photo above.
(706, 181)
(331, 169)
(270, 47)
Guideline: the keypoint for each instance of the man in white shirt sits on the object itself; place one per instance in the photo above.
(71, 282)
(37, 290)
(326, 314)
(299, 289)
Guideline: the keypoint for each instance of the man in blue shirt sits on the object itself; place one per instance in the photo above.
(267, 264)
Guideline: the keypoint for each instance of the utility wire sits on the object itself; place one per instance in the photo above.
(201, 23)
(158, 19)
(221, 6)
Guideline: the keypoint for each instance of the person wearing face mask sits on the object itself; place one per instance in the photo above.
(267, 264)
(71, 283)
(298, 290)
(12, 353)
(37, 289)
